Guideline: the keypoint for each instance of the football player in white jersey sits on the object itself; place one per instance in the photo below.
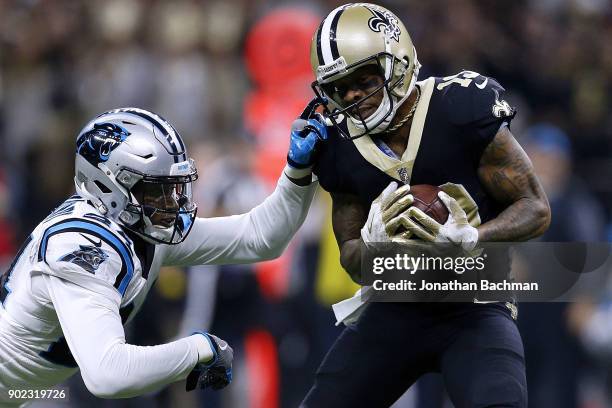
(87, 268)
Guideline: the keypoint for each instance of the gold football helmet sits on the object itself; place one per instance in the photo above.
(353, 36)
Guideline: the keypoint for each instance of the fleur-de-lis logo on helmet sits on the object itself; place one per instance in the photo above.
(385, 22)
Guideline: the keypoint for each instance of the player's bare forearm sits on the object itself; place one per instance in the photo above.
(521, 221)
(350, 259)
(508, 176)
(348, 217)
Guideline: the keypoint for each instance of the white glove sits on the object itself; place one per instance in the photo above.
(387, 205)
(456, 230)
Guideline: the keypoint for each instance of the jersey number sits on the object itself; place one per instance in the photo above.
(464, 78)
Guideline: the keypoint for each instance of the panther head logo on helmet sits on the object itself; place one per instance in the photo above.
(97, 144)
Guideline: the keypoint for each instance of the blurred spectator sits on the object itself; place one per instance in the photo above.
(7, 238)
(553, 357)
(577, 214)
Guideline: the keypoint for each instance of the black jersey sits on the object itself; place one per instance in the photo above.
(456, 118)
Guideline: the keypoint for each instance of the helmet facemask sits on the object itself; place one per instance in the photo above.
(378, 121)
(161, 208)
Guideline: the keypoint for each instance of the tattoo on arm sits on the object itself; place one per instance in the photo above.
(348, 217)
(508, 176)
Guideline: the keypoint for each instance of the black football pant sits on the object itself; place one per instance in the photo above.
(476, 347)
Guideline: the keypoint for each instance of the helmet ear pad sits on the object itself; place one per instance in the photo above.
(399, 71)
(108, 199)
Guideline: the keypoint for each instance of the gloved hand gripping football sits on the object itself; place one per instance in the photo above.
(456, 229)
(391, 202)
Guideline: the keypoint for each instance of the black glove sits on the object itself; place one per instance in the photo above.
(217, 373)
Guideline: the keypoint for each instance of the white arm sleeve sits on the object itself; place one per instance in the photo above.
(111, 368)
(261, 234)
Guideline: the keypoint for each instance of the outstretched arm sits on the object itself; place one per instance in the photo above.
(508, 176)
(261, 234)
(264, 232)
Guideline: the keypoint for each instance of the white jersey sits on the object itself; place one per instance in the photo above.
(79, 277)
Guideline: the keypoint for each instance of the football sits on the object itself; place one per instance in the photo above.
(426, 199)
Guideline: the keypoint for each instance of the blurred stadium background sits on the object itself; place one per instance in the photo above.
(231, 75)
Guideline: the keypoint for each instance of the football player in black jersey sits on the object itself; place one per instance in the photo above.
(453, 132)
